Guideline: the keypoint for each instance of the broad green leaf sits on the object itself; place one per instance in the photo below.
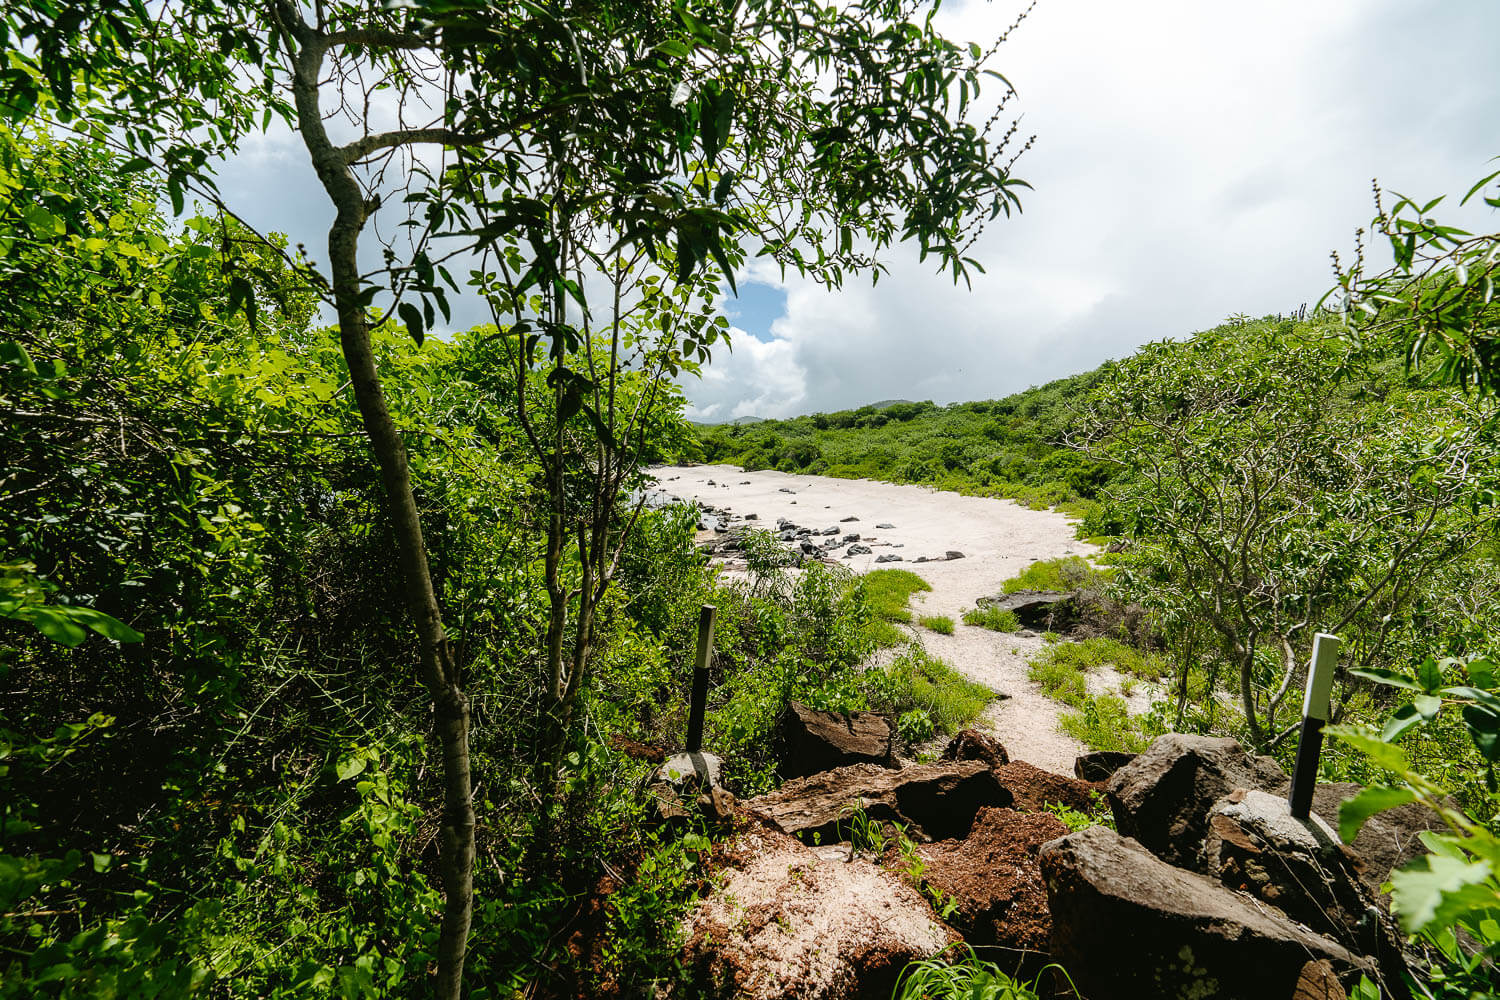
(1388, 677)
(1429, 675)
(1377, 798)
(110, 628)
(1400, 721)
(1435, 891)
(349, 767)
(55, 624)
(1382, 754)
(1427, 705)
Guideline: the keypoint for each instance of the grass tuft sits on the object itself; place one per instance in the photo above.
(994, 619)
(1064, 573)
(938, 623)
(917, 679)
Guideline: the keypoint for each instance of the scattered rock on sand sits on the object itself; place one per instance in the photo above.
(814, 741)
(1127, 925)
(857, 550)
(785, 921)
(885, 525)
(845, 520)
(785, 489)
(888, 557)
(953, 554)
(934, 801)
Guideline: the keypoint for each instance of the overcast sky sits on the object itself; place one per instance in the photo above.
(1194, 159)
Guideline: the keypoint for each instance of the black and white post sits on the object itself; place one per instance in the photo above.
(700, 678)
(1315, 707)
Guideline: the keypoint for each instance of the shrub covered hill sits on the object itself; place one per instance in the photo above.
(1011, 447)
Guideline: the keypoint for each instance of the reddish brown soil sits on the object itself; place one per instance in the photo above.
(995, 878)
(1035, 789)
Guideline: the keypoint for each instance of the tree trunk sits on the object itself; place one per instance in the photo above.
(437, 670)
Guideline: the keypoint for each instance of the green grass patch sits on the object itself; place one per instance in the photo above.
(1093, 653)
(938, 623)
(1103, 723)
(889, 590)
(1064, 573)
(995, 619)
(918, 680)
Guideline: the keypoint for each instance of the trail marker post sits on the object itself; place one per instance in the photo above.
(1315, 710)
(700, 678)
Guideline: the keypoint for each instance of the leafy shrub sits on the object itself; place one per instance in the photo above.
(967, 977)
(915, 726)
(889, 590)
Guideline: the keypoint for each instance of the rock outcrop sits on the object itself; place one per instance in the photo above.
(1162, 798)
(786, 921)
(814, 741)
(1126, 925)
(1035, 789)
(933, 801)
(1100, 765)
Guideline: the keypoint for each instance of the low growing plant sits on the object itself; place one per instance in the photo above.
(994, 619)
(941, 624)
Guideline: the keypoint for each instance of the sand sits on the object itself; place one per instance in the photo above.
(998, 539)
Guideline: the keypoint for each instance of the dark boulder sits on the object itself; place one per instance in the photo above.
(933, 801)
(887, 558)
(1050, 610)
(1127, 925)
(971, 744)
(857, 550)
(1388, 839)
(1162, 798)
(1100, 765)
(813, 741)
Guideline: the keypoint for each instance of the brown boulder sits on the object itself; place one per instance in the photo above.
(933, 801)
(1162, 798)
(995, 879)
(1126, 924)
(1035, 789)
(1100, 765)
(971, 744)
(813, 741)
(786, 921)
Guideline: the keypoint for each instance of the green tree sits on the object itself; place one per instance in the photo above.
(567, 140)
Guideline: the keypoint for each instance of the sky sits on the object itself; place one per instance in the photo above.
(1193, 160)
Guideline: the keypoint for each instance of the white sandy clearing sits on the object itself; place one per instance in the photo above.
(998, 538)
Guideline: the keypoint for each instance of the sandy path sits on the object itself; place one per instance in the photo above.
(998, 538)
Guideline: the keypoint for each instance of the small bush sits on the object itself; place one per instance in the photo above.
(967, 977)
(915, 726)
(994, 619)
(938, 623)
(1103, 723)
(1065, 573)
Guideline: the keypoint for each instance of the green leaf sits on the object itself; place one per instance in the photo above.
(110, 628)
(1429, 675)
(1382, 754)
(412, 317)
(349, 767)
(1390, 678)
(1400, 721)
(1435, 891)
(55, 624)
(1427, 705)
(1377, 798)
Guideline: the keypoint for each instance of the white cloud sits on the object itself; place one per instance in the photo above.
(1193, 161)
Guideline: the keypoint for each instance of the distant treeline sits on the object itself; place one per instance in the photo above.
(1011, 447)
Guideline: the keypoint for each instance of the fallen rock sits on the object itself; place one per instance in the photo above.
(853, 536)
(1035, 789)
(1162, 798)
(996, 880)
(933, 801)
(783, 921)
(814, 741)
(888, 557)
(1100, 765)
(1126, 925)
(971, 744)
(1050, 610)
(953, 554)
(785, 489)
(846, 520)
(885, 525)
(857, 550)
(752, 517)
(830, 531)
